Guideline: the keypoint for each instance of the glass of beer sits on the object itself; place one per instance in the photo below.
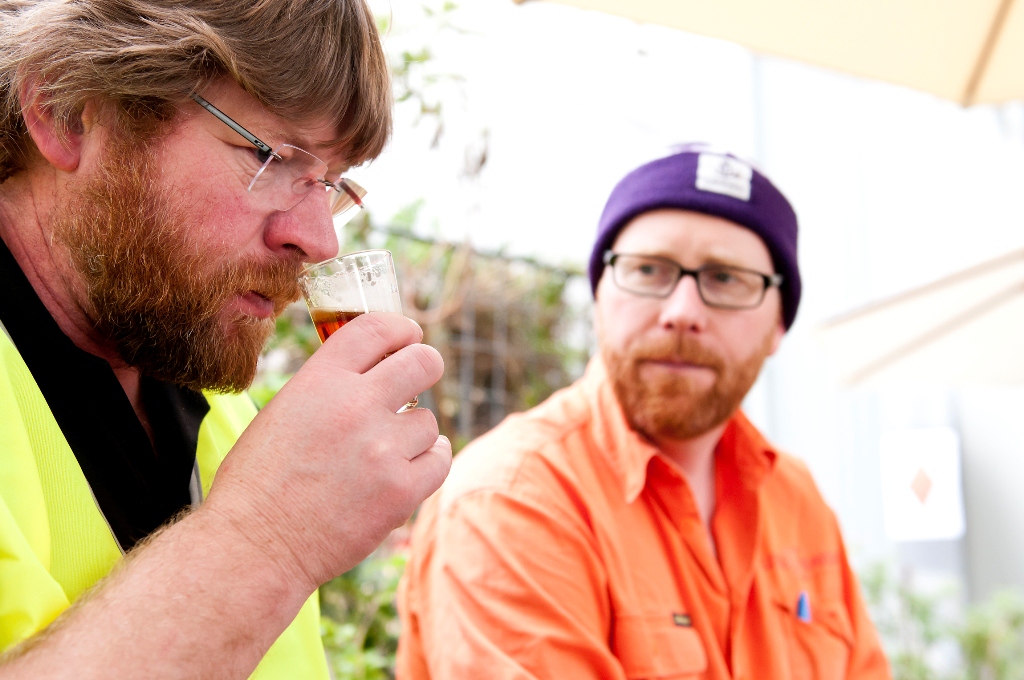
(341, 289)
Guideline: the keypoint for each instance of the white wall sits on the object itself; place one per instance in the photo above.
(991, 423)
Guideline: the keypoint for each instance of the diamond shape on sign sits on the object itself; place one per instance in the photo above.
(921, 486)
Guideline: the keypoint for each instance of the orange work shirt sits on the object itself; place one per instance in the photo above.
(565, 546)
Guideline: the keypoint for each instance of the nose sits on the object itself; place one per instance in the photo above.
(684, 310)
(308, 227)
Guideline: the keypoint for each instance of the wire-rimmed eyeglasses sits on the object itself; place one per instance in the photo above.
(719, 286)
(282, 177)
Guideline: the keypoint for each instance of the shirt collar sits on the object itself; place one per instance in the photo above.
(629, 453)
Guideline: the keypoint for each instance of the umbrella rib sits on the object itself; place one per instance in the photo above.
(994, 31)
(938, 332)
(944, 282)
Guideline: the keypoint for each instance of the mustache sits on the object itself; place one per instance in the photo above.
(278, 280)
(676, 349)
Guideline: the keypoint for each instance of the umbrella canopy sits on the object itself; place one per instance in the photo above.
(965, 328)
(970, 51)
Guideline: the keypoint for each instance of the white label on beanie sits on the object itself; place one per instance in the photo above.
(724, 175)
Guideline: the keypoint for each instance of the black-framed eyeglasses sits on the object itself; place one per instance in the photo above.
(719, 286)
(280, 178)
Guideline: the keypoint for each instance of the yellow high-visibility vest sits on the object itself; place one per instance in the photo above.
(55, 543)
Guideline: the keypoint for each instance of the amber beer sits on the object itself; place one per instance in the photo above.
(363, 281)
(329, 320)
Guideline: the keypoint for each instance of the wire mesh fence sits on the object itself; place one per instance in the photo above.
(511, 330)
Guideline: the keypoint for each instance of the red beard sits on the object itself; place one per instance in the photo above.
(149, 289)
(673, 406)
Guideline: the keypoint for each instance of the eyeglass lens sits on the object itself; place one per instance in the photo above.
(283, 181)
(719, 286)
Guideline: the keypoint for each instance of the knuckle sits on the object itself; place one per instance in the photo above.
(423, 428)
(379, 450)
(377, 328)
(378, 391)
(429, 423)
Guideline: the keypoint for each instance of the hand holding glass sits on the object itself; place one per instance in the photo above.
(341, 289)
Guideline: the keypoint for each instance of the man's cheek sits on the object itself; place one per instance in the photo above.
(221, 223)
(619, 333)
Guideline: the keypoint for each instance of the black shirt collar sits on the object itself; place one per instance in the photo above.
(137, 487)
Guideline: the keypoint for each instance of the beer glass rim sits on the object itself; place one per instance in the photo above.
(308, 268)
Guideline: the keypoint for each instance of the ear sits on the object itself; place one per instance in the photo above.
(63, 151)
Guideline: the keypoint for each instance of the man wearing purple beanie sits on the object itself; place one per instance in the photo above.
(636, 524)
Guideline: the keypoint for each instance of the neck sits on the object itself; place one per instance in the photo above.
(696, 459)
(27, 201)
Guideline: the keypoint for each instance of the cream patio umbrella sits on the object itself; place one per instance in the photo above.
(970, 51)
(964, 328)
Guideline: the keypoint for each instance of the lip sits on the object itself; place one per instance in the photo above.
(254, 304)
(676, 366)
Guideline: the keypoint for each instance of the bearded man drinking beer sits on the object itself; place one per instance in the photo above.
(166, 168)
(636, 524)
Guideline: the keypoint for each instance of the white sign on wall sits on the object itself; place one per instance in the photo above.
(921, 488)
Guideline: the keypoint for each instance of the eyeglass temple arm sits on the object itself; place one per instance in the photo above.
(223, 117)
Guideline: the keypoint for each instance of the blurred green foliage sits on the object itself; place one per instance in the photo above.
(359, 622)
(992, 638)
(931, 635)
(908, 621)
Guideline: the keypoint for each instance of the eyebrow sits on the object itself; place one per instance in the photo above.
(276, 136)
(708, 259)
(323, 148)
(726, 262)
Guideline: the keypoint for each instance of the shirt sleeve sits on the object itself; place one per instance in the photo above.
(507, 585)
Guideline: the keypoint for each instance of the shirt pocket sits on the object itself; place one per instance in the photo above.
(654, 646)
(818, 649)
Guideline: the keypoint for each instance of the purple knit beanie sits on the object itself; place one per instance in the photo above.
(711, 183)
